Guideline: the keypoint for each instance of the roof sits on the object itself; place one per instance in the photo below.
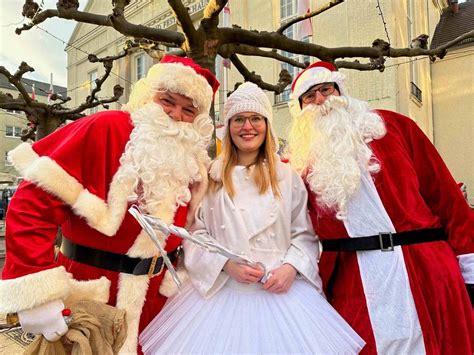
(452, 25)
(41, 88)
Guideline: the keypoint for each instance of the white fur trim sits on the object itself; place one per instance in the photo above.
(96, 290)
(32, 290)
(308, 79)
(198, 192)
(183, 80)
(168, 287)
(131, 298)
(105, 217)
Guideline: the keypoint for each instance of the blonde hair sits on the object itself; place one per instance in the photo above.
(265, 166)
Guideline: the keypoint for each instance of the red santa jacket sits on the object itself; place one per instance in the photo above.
(70, 181)
(417, 191)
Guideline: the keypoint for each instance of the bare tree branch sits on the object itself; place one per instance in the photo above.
(316, 12)
(354, 65)
(212, 11)
(284, 78)
(115, 20)
(228, 49)
(15, 80)
(69, 14)
(184, 19)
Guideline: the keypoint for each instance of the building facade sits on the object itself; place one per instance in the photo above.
(406, 85)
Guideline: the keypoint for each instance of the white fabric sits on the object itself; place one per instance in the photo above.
(384, 277)
(265, 228)
(46, 319)
(245, 319)
(466, 263)
(217, 315)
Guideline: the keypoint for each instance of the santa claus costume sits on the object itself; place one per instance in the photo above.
(371, 172)
(83, 178)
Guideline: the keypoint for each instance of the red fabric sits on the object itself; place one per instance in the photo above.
(417, 192)
(89, 150)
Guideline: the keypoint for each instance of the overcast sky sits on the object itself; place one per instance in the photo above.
(40, 50)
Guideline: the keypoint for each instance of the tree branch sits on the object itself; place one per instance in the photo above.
(115, 20)
(67, 14)
(354, 65)
(316, 12)
(283, 81)
(226, 50)
(212, 11)
(15, 80)
(184, 19)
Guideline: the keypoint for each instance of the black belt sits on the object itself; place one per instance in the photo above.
(115, 262)
(384, 241)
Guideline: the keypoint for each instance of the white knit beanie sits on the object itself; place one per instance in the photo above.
(249, 98)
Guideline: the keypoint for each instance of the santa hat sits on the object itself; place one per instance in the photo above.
(249, 98)
(178, 75)
(316, 73)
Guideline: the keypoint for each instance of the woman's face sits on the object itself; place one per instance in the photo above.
(248, 131)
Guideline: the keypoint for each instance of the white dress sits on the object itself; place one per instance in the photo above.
(214, 314)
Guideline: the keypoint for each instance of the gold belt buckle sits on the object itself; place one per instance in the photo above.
(154, 260)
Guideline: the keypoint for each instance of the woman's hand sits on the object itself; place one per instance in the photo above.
(242, 272)
(281, 280)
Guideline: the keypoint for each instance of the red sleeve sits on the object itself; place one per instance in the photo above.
(32, 222)
(440, 191)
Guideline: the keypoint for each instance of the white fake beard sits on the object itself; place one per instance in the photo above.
(340, 154)
(163, 158)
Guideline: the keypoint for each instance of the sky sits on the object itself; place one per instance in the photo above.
(39, 49)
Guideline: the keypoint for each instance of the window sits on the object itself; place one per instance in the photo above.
(12, 131)
(288, 12)
(93, 75)
(287, 9)
(140, 65)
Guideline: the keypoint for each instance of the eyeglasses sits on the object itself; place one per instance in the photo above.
(325, 90)
(255, 121)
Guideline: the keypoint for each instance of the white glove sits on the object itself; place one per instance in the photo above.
(46, 319)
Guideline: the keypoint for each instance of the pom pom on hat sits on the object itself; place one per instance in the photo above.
(316, 73)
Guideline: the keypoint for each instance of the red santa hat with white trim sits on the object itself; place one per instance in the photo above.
(317, 73)
(178, 75)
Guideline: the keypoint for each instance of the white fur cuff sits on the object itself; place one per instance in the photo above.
(33, 290)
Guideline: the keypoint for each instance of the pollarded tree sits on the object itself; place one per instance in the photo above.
(205, 42)
(44, 118)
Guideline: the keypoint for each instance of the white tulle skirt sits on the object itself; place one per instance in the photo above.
(245, 319)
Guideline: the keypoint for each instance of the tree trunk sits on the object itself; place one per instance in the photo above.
(209, 63)
(47, 124)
